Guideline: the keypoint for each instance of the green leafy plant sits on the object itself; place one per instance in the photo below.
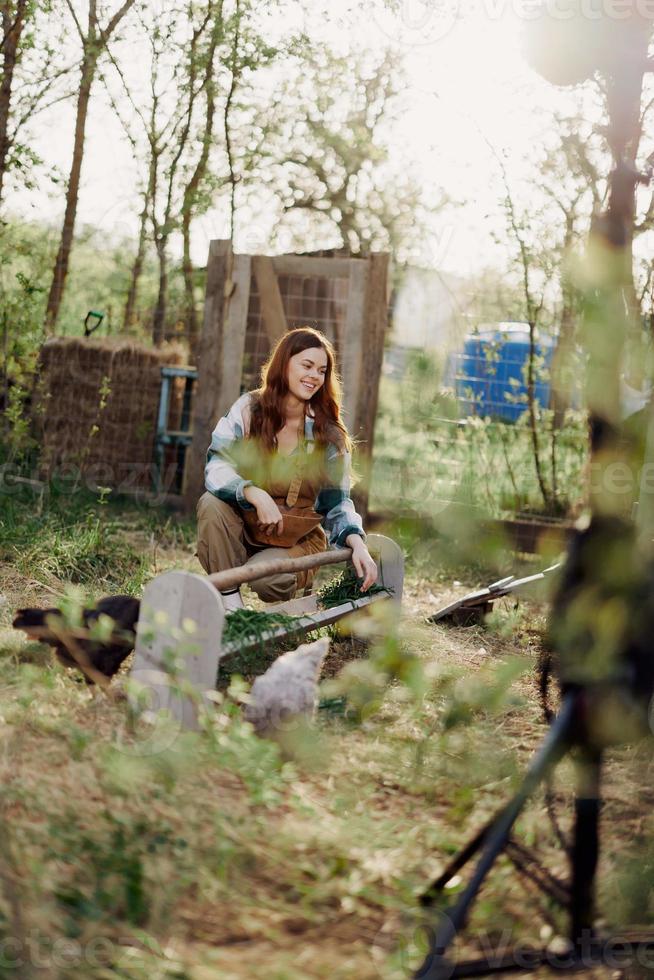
(345, 587)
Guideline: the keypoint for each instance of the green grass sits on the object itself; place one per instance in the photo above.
(74, 537)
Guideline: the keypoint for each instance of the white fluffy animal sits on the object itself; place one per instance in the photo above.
(288, 689)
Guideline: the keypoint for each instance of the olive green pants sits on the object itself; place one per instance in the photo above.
(222, 545)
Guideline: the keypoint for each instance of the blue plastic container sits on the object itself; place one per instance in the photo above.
(489, 374)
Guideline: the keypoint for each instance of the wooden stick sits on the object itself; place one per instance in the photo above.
(275, 566)
(81, 657)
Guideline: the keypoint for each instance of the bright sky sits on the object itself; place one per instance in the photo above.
(468, 83)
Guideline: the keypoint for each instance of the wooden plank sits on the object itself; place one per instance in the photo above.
(210, 354)
(307, 265)
(501, 583)
(519, 582)
(305, 624)
(272, 308)
(178, 644)
(276, 566)
(471, 599)
(503, 587)
(236, 315)
(352, 350)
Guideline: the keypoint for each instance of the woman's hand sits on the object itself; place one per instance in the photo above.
(269, 514)
(364, 566)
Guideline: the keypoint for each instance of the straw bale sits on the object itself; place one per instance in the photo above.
(99, 407)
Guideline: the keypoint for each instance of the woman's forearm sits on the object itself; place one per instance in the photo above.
(254, 495)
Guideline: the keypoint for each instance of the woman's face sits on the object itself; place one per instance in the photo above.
(306, 372)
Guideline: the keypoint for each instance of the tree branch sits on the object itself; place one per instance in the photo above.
(9, 29)
(115, 21)
(73, 14)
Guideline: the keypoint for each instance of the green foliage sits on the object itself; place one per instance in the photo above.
(71, 539)
(250, 628)
(21, 297)
(108, 880)
(425, 459)
(344, 587)
(631, 887)
(256, 761)
(334, 175)
(487, 692)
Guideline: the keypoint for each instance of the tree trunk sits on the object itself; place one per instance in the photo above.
(191, 189)
(533, 422)
(12, 30)
(93, 44)
(72, 194)
(614, 231)
(561, 381)
(137, 267)
(191, 316)
(148, 200)
(561, 386)
(624, 136)
(159, 318)
(190, 195)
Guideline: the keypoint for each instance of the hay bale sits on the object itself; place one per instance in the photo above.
(99, 403)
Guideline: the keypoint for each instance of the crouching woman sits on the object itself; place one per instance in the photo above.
(278, 473)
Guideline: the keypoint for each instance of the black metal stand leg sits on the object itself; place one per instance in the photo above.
(585, 850)
(494, 840)
(431, 894)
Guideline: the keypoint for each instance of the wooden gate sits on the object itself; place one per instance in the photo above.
(252, 300)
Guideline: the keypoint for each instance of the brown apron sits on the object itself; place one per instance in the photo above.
(295, 495)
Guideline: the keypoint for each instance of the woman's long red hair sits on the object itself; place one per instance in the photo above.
(268, 406)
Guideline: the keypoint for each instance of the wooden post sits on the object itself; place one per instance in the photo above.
(209, 358)
(220, 356)
(352, 348)
(375, 324)
(233, 346)
(272, 308)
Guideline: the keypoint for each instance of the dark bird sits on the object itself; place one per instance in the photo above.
(74, 647)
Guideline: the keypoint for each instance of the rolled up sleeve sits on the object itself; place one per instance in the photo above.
(220, 475)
